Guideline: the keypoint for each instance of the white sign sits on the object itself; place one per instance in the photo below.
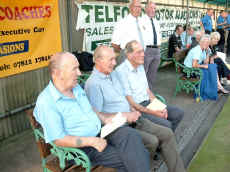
(98, 20)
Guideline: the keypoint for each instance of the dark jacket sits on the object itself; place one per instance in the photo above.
(174, 41)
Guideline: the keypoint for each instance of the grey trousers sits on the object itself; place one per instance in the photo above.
(125, 152)
(151, 63)
(167, 143)
(175, 115)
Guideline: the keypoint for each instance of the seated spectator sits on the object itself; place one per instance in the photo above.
(198, 58)
(186, 37)
(68, 120)
(133, 79)
(223, 71)
(175, 44)
(196, 39)
(106, 95)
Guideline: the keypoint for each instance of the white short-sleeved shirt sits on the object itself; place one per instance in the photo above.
(126, 30)
(148, 30)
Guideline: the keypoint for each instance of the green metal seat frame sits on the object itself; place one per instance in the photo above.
(184, 81)
(164, 55)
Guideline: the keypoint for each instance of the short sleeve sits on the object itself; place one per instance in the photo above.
(51, 121)
(95, 95)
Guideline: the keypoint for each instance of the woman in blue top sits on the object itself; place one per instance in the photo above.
(198, 58)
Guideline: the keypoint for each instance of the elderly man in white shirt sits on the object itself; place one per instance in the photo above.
(127, 29)
(145, 30)
(152, 40)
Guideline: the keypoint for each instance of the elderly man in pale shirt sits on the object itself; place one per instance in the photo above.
(106, 95)
(152, 41)
(132, 76)
(127, 29)
(68, 120)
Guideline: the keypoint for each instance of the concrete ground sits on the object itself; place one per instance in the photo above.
(20, 153)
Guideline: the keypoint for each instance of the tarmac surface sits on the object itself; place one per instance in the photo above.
(20, 153)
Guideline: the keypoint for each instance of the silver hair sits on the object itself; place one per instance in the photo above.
(215, 35)
(205, 37)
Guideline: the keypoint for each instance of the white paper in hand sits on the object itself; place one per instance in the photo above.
(156, 105)
(117, 121)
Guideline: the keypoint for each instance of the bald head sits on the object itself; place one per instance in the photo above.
(64, 70)
(58, 60)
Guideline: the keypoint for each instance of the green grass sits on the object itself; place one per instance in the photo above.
(214, 154)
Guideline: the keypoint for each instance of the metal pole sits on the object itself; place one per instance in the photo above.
(187, 22)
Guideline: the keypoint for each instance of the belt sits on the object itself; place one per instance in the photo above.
(153, 46)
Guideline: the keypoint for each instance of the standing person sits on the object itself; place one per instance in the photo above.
(221, 21)
(175, 43)
(152, 40)
(132, 76)
(68, 120)
(206, 21)
(106, 95)
(127, 29)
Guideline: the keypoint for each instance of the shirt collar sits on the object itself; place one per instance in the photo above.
(100, 74)
(130, 66)
(54, 92)
(57, 95)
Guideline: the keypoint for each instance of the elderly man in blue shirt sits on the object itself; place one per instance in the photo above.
(221, 22)
(132, 76)
(107, 95)
(68, 120)
(206, 21)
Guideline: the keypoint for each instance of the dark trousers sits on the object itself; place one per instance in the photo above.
(228, 44)
(175, 115)
(222, 40)
(151, 63)
(222, 69)
(125, 152)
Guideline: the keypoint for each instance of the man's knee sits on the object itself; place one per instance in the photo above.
(167, 133)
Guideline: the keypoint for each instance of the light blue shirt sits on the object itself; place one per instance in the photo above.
(220, 20)
(207, 22)
(133, 80)
(195, 53)
(183, 39)
(105, 93)
(60, 115)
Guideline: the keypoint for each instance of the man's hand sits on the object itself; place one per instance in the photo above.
(131, 116)
(99, 144)
(161, 113)
(165, 113)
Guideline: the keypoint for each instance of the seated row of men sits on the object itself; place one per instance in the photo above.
(72, 117)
